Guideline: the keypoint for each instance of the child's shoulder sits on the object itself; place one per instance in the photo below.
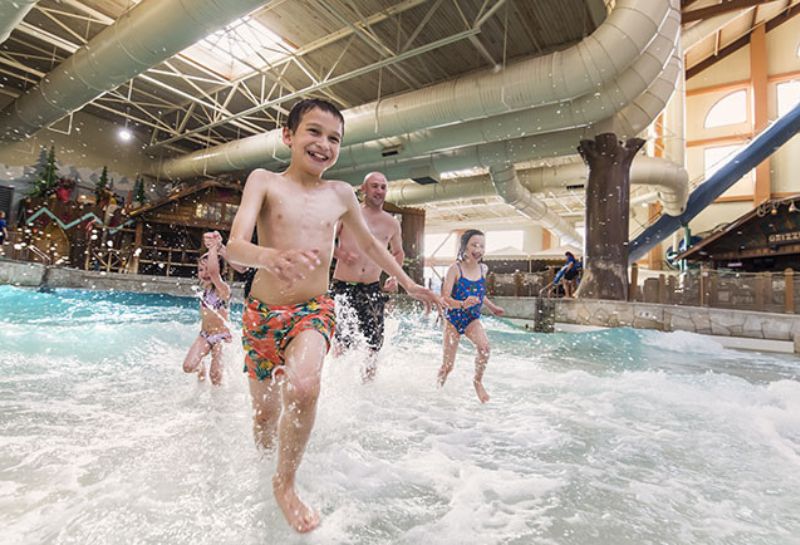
(261, 175)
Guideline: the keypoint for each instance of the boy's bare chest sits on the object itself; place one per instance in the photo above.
(301, 213)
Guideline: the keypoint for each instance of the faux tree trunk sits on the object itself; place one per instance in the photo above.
(605, 274)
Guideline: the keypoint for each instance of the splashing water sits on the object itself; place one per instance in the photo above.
(618, 436)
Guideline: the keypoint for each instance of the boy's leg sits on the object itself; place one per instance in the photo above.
(197, 352)
(215, 371)
(266, 399)
(477, 335)
(449, 348)
(304, 357)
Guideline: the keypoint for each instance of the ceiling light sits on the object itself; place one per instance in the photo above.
(125, 135)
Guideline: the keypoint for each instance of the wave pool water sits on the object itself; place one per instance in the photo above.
(618, 436)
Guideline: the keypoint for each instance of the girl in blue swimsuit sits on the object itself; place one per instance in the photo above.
(464, 291)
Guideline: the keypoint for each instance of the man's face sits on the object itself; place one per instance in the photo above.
(315, 143)
(375, 188)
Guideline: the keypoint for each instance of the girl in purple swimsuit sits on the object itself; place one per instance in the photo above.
(214, 313)
(464, 291)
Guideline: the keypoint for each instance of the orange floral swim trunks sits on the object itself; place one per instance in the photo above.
(268, 329)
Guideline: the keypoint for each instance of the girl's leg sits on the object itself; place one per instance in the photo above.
(215, 372)
(449, 348)
(197, 352)
(477, 335)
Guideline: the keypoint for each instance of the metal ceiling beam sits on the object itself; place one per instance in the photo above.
(734, 46)
(719, 9)
(145, 36)
(338, 79)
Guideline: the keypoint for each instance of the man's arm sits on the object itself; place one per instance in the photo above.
(396, 249)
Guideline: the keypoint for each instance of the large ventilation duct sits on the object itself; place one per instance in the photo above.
(12, 12)
(630, 121)
(669, 179)
(148, 34)
(584, 111)
(505, 181)
(562, 76)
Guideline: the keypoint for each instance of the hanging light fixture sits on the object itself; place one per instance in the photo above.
(792, 207)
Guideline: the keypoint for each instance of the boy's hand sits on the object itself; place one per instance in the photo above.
(390, 286)
(348, 257)
(293, 265)
(499, 311)
(426, 296)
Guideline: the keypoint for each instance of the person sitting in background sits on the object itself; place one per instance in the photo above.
(3, 228)
(570, 273)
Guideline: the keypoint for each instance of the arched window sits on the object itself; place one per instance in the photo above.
(729, 110)
(788, 96)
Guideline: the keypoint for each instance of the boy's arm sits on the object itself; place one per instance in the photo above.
(353, 221)
(288, 265)
(220, 285)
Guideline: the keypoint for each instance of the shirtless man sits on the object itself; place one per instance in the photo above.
(356, 278)
(289, 318)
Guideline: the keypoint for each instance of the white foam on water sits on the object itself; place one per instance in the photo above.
(103, 439)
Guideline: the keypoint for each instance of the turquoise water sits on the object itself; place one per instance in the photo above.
(618, 436)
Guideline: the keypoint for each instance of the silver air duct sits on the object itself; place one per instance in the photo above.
(12, 12)
(505, 181)
(150, 33)
(562, 76)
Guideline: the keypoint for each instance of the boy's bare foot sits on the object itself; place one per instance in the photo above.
(299, 516)
(482, 395)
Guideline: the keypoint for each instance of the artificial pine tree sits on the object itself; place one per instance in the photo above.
(138, 191)
(102, 184)
(45, 184)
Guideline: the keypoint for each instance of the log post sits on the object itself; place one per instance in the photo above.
(605, 274)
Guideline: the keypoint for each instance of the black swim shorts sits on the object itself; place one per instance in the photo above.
(362, 304)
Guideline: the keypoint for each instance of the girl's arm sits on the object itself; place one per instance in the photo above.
(221, 287)
(447, 287)
(493, 308)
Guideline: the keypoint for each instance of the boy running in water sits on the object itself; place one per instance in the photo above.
(288, 318)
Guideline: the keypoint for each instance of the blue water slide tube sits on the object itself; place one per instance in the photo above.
(761, 147)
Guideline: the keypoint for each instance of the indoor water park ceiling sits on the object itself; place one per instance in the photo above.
(229, 85)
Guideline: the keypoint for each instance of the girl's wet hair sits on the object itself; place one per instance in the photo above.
(462, 247)
(306, 105)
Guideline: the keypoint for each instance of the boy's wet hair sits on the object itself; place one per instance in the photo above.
(308, 104)
(462, 247)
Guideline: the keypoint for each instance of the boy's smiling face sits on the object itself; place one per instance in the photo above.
(315, 143)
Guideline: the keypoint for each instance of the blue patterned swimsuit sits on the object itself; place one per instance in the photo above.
(463, 288)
